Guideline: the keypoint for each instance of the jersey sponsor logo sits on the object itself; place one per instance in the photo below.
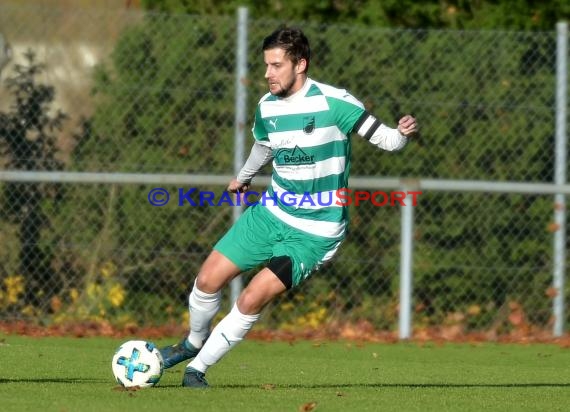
(309, 124)
(294, 156)
(273, 123)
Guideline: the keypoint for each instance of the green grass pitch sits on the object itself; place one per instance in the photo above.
(69, 374)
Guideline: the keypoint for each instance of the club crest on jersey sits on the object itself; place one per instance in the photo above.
(309, 124)
(293, 156)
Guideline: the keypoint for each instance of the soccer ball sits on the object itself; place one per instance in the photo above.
(137, 363)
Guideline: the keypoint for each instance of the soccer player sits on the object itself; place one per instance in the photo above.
(304, 127)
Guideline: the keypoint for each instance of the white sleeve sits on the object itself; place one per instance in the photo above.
(380, 135)
(260, 155)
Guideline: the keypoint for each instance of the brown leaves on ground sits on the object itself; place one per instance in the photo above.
(510, 326)
(85, 329)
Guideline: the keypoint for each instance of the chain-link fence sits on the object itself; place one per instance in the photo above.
(154, 94)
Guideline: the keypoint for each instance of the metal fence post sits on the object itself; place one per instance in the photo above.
(560, 176)
(406, 262)
(240, 118)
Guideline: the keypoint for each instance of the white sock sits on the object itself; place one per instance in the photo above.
(203, 307)
(228, 333)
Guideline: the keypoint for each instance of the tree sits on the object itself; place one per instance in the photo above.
(28, 142)
(453, 14)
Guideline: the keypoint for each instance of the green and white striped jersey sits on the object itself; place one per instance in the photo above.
(309, 135)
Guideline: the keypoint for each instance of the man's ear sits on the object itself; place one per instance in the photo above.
(301, 66)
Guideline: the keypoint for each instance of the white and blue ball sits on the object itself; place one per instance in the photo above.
(137, 363)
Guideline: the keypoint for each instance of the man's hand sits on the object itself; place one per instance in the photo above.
(237, 187)
(407, 125)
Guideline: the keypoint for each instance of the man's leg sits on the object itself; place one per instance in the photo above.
(203, 303)
(232, 329)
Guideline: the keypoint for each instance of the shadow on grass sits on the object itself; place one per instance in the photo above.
(404, 385)
(52, 380)
(309, 386)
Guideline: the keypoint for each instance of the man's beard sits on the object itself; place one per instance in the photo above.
(286, 91)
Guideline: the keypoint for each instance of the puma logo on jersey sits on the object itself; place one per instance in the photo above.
(273, 123)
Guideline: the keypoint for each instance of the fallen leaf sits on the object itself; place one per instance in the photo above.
(308, 407)
(120, 388)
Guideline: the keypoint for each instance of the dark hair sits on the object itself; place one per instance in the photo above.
(293, 41)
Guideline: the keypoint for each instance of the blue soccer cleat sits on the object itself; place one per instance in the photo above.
(194, 379)
(179, 352)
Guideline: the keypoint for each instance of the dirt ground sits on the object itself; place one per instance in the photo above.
(360, 333)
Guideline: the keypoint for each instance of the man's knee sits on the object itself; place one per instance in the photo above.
(205, 281)
(249, 302)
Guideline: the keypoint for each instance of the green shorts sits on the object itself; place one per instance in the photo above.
(258, 235)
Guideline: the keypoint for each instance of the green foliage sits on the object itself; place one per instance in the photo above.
(155, 98)
(28, 142)
(162, 101)
(455, 14)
